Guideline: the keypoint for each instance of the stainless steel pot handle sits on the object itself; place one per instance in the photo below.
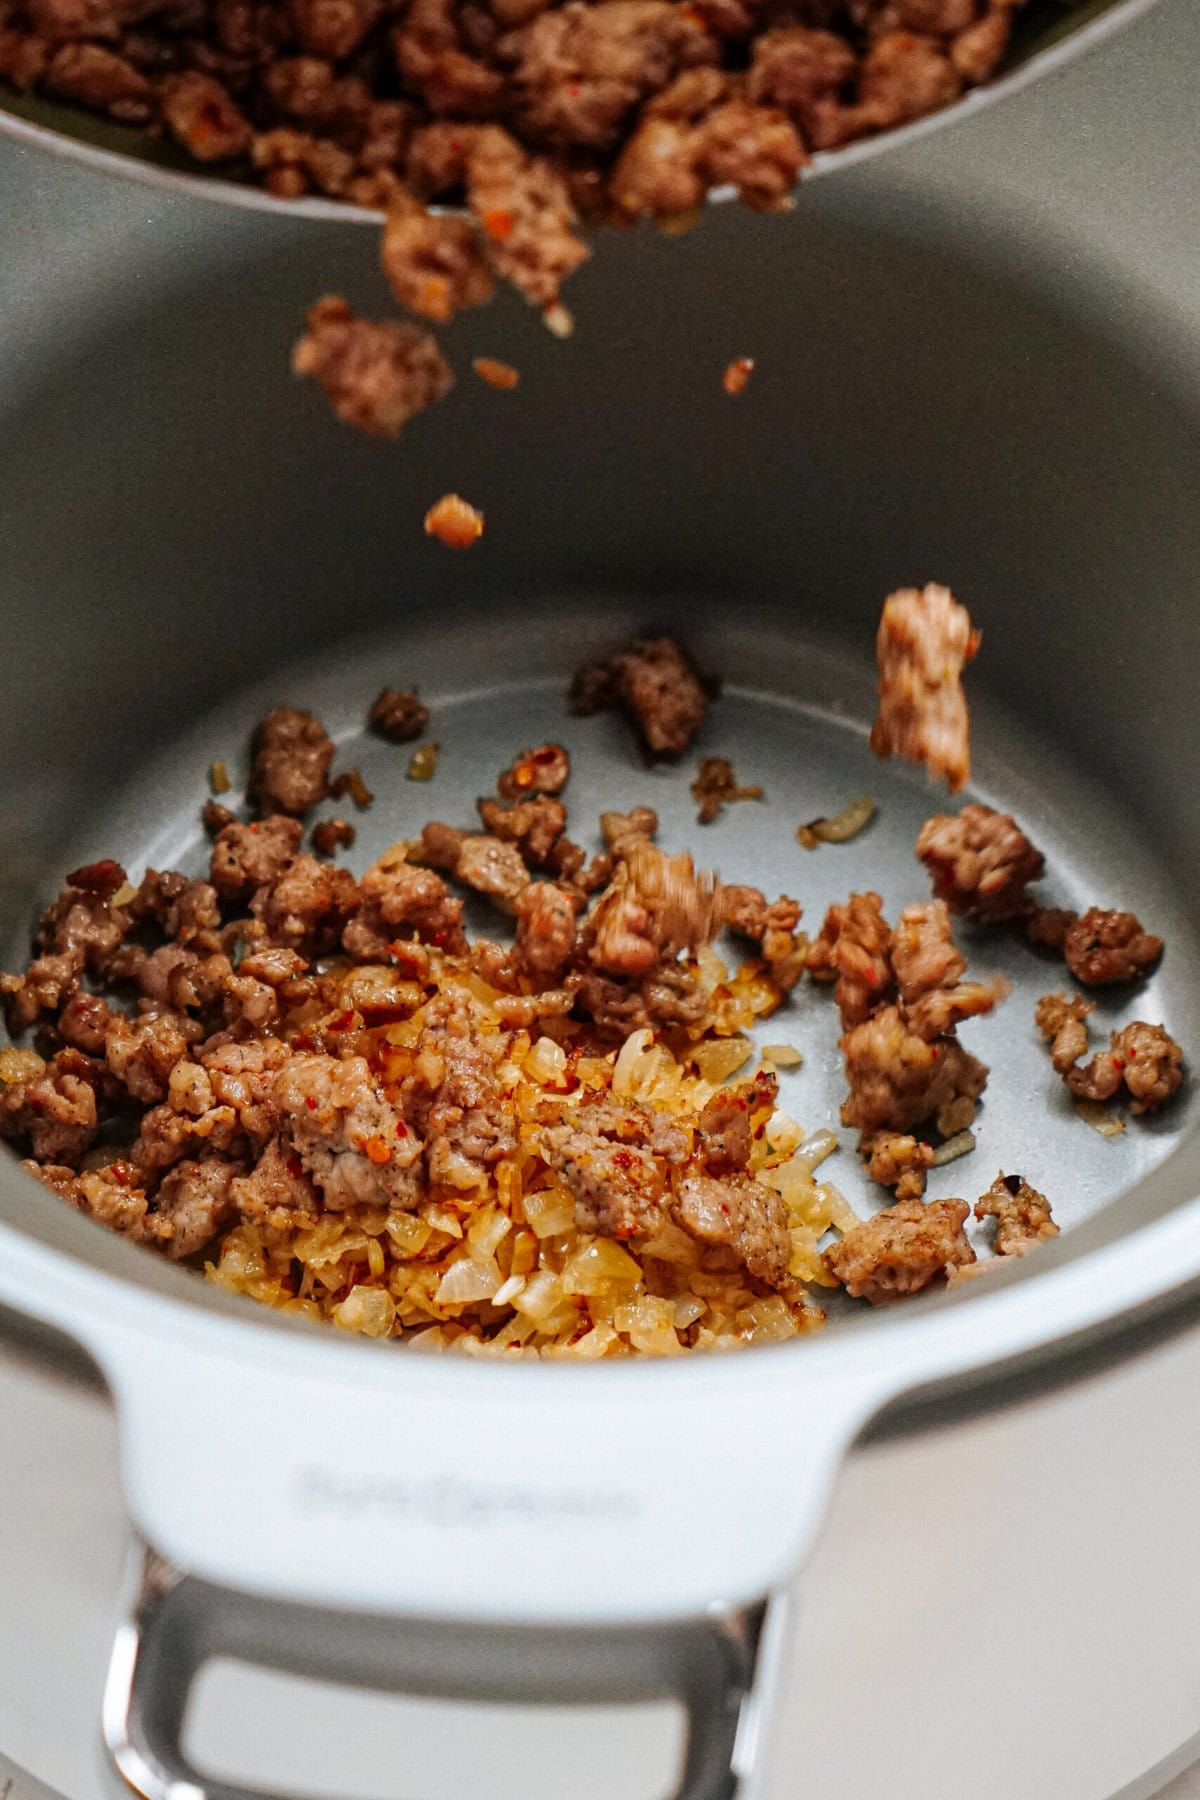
(174, 1623)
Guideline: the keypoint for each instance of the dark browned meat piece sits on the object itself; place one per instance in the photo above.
(670, 996)
(533, 826)
(182, 909)
(980, 862)
(544, 770)
(331, 835)
(398, 715)
(332, 28)
(402, 901)
(657, 684)
(803, 72)
(216, 817)
(901, 1249)
(142, 1051)
(245, 857)
(1104, 946)
(742, 1215)
(897, 1160)
(924, 642)
(725, 1130)
(898, 1080)
(701, 133)
(581, 70)
(98, 78)
(480, 861)
(194, 1201)
(1022, 1215)
(202, 115)
(434, 262)
(1047, 926)
(292, 754)
(377, 375)
(47, 982)
(56, 1112)
(85, 926)
(307, 906)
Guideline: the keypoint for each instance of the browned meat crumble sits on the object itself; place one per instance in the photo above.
(376, 375)
(925, 640)
(981, 863)
(1106, 946)
(1143, 1062)
(656, 683)
(292, 754)
(398, 715)
(901, 996)
(716, 787)
(901, 1249)
(1022, 1215)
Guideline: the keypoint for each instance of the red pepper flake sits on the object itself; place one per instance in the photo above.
(497, 374)
(625, 1232)
(304, 1040)
(934, 1052)
(570, 1082)
(311, 1102)
(103, 879)
(343, 1022)
(401, 1129)
(1118, 1062)
(760, 1131)
(623, 1159)
(295, 1167)
(737, 374)
(498, 223)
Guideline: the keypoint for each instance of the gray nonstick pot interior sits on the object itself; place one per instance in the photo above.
(186, 537)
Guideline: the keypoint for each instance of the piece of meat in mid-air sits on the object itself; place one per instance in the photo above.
(924, 642)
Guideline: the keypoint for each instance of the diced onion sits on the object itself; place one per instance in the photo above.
(1093, 1113)
(599, 1266)
(719, 1058)
(550, 1212)
(367, 1309)
(839, 827)
(546, 1062)
(468, 1280)
(784, 1056)
(961, 1144)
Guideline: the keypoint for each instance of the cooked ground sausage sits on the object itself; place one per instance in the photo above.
(292, 754)
(398, 715)
(1106, 946)
(981, 862)
(924, 642)
(657, 684)
(901, 1249)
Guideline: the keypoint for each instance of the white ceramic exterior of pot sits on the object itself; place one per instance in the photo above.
(997, 1609)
